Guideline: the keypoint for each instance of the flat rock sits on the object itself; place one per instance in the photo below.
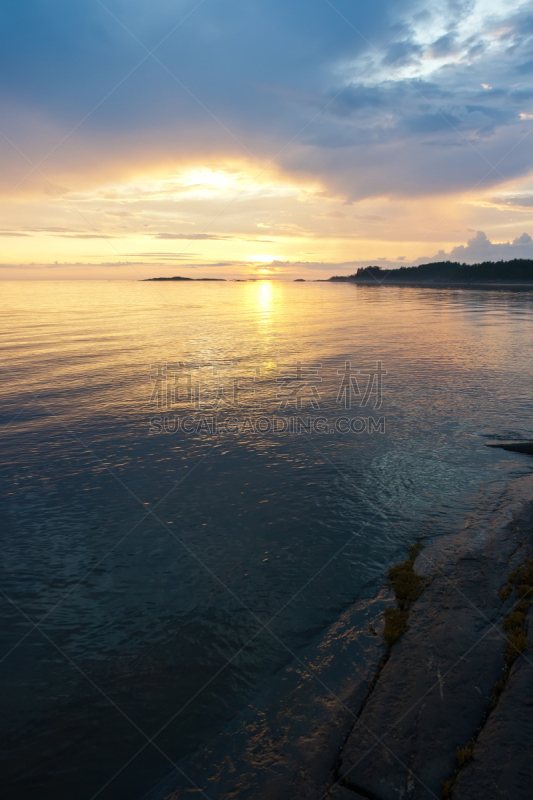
(434, 693)
(502, 766)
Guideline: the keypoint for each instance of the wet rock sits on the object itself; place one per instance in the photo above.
(284, 745)
(515, 447)
(434, 693)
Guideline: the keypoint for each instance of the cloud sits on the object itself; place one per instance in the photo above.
(402, 53)
(213, 237)
(444, 45)
(83, 264)
(85, 236)
(257, 74)
(525, 68)
(201, 236)
(219, 264)
(266, 117)
(479, 249)
(50, 229)
(164, 255)
(521, 201)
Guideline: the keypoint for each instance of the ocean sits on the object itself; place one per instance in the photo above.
(200, 477)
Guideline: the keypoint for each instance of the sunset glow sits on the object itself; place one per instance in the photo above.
(383, 150)
(267, 409)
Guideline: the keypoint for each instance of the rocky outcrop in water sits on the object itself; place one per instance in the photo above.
(515, 447)
(451, 714)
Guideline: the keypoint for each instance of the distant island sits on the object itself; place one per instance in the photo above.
(179, 278)
(519, 270)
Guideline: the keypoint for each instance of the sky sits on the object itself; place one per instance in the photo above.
(260, 138)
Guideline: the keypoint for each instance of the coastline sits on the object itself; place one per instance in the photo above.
(354, 719)
(436, 284)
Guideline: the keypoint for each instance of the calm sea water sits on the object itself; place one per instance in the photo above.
(150, 560)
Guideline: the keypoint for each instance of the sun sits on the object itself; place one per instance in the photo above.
(265, 259)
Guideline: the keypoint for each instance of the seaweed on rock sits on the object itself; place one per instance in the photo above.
(407, 587)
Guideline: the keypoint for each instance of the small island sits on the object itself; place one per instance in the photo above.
(179, 278)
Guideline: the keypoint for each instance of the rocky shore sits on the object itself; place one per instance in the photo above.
(451, 714)
(423, 692)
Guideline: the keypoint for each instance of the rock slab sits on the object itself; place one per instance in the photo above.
(434, 693)
(502, 766)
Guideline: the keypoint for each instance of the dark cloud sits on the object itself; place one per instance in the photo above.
(444, 45)
(251, 75)
(525, 68)
(401, 53)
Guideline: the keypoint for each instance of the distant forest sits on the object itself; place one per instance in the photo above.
(519, 269)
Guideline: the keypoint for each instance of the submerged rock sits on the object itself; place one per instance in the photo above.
(286, 743)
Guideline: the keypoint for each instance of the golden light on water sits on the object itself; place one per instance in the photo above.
(265, 295)
(264, 303)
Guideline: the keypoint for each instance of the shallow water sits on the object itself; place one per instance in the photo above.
(152, 560)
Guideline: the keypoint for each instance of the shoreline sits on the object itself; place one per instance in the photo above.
(440, 284)
(349, 713)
